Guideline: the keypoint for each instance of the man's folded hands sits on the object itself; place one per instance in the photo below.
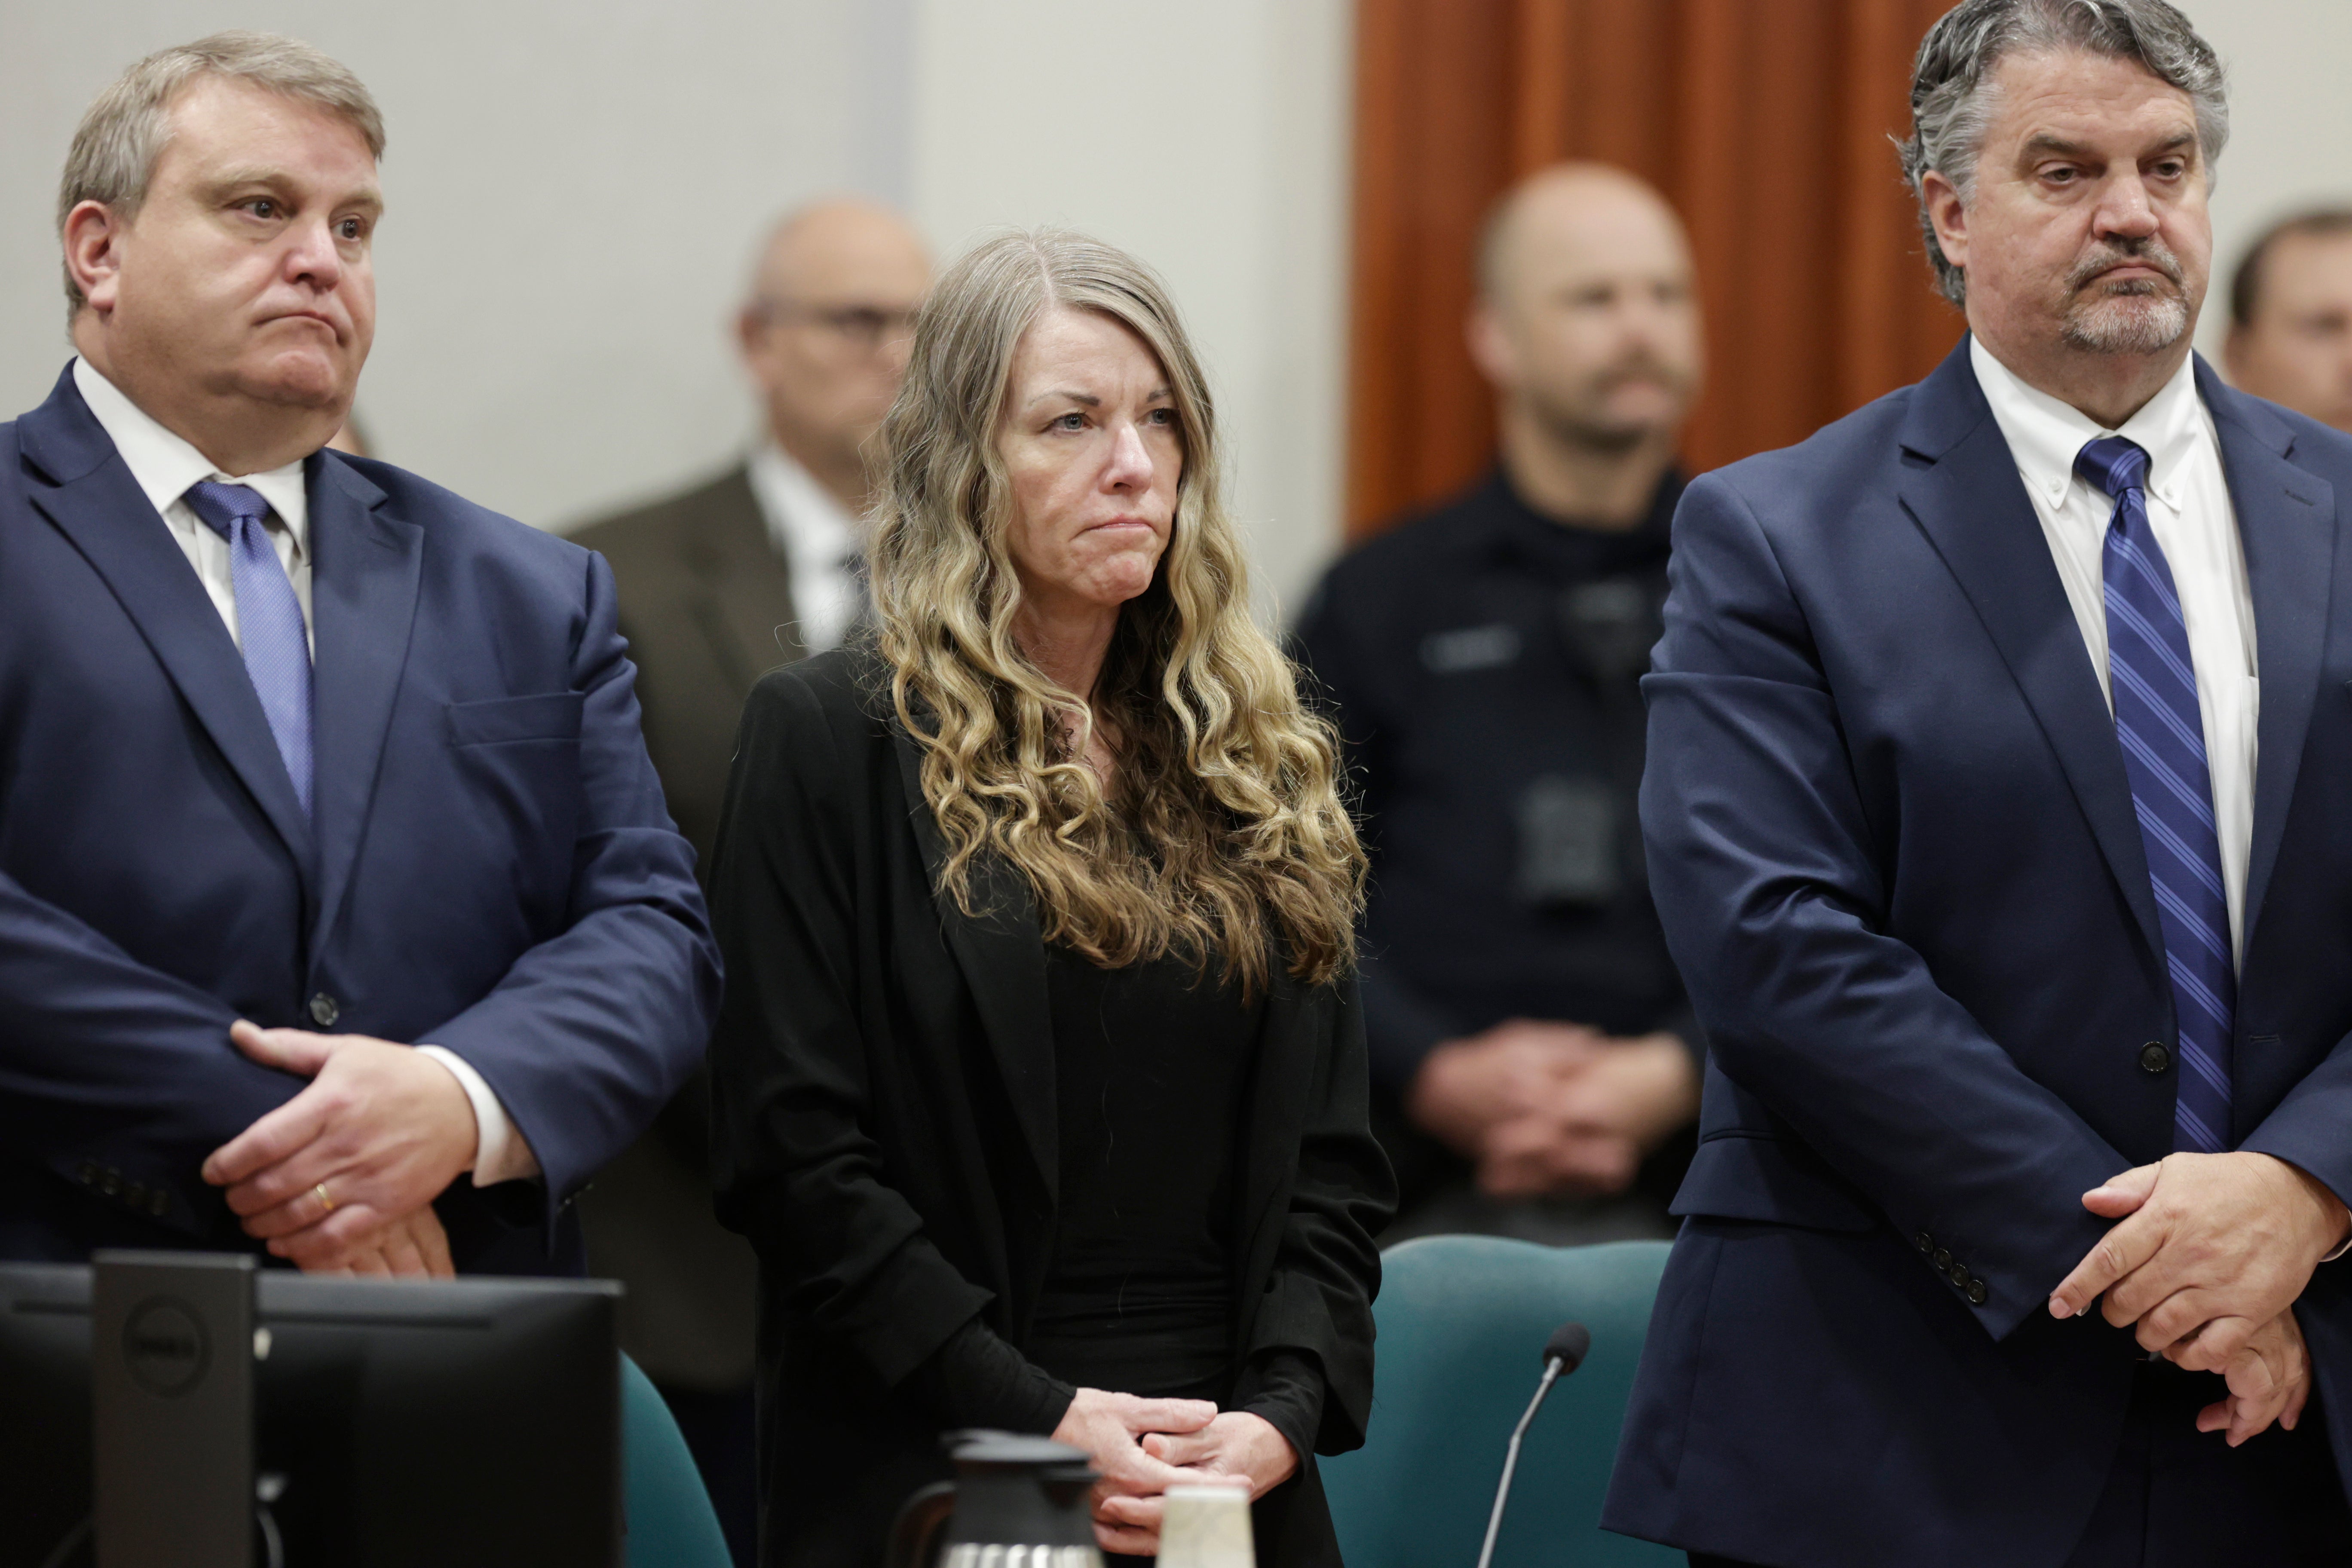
(341, 1177)
(2205, 1262)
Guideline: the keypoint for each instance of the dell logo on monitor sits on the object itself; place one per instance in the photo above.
(164, 1346)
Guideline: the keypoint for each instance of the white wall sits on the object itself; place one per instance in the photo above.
(2291, 124)
(576, 190)
(1209, 138)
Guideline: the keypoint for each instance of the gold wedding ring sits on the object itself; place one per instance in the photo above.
(325, 1203)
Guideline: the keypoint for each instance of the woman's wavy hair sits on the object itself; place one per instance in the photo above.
(1226, 839)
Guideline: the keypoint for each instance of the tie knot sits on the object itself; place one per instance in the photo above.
(221, 506)
(2114, 464)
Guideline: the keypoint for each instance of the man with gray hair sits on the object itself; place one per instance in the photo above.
(296, 743)
(2029, 1113)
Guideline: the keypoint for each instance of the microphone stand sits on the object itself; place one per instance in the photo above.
(1552, 1365)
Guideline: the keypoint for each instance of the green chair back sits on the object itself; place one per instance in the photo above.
(671, 1522)
(1463, 1320)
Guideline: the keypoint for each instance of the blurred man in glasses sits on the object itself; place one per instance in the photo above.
(757, 567)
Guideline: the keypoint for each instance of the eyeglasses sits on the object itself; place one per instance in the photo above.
(867, 327)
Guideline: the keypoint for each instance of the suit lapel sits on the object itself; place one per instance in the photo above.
(2286, 525)
(746, 610)
(101, 507)
(1973, 508)
(1003, 957)
(365, 568)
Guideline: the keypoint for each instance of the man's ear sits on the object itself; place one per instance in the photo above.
(93, 245)
(1950, 218)
(1491, 349)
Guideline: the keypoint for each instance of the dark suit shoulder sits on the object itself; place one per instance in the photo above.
(455, 523)
(1869, 438)
(727, 495)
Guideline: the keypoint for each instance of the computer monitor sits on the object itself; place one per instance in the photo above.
(457, 1423)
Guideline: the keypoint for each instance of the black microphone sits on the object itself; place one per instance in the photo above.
(1562, 1353)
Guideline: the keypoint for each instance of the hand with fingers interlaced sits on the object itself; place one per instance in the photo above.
(2207, 1258)
(1113, 1429)
(343, 1170)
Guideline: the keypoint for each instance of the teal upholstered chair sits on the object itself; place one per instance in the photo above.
(671, 1523)
(1463, 1320)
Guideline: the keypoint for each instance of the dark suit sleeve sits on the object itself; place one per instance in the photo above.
(1318, 1301)
(2308, 1128)
(589, 1033)
(797, 1167)
(104, 1061)
(1775, 907)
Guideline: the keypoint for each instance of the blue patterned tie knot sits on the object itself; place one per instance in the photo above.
(270, 630)
(2159, 726)
(2113, 465)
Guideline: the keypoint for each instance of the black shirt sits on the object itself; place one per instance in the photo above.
(1151, 1069)
(1484, 665)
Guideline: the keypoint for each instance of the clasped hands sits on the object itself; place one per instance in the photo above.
(1141, 1447)
(380, 1127)
(2207, 1261)
(1547, 1106)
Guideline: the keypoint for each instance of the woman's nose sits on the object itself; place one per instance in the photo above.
(1131, 463)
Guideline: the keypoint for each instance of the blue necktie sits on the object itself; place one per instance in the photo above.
(269, 619)
(2159, 728)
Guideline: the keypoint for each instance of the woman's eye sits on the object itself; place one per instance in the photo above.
(262, 207)
(1069, 422)
(1164, 417)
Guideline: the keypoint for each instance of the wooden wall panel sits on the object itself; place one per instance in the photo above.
(1767, 127)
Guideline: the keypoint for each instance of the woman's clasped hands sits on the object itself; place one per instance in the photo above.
(1141, 1447)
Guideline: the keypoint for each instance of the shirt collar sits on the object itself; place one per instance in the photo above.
(164, 463)
(2045, 434)
(803, 518)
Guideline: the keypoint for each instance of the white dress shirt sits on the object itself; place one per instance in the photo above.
(820, 543)
(165, 465)
(2188, 510)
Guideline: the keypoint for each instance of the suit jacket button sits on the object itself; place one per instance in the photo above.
(324, 1010)
(110, 1182)
(87, 1173)
(1977, 1294)
(1959, 1275)
(1943, 1258)
(2154, 1058)
(1924, 1242)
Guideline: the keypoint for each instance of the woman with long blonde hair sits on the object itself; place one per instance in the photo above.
(1040, 1086)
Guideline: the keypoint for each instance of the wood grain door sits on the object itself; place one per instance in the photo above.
(1766, 122)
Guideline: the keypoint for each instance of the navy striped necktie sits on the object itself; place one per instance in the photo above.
(2161, 730)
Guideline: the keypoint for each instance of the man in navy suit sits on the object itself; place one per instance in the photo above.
(2000, 740)
(339, 910)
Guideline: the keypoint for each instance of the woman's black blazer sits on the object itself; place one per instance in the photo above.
(885, 1126)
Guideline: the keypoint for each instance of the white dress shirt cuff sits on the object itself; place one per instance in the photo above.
(500, 1152)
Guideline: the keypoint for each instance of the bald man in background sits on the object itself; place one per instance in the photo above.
(757, 567)
(2291, 317)
(1534, 1061)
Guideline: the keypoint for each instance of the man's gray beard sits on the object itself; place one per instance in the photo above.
(2127, 324)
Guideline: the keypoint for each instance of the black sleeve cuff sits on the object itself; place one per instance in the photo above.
(1284, 1388)
(975, 1379)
